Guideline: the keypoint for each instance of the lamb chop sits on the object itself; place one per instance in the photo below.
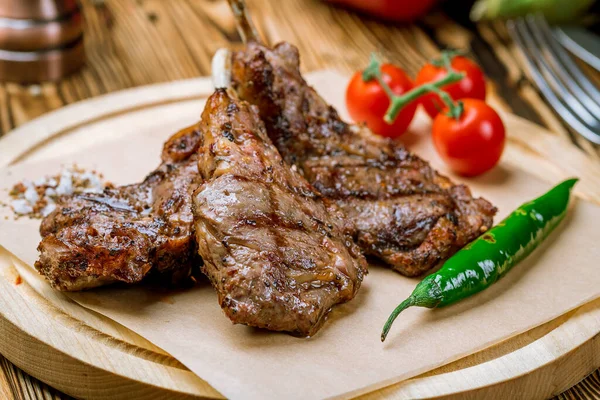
(271, 249)
(397, 207)
(126, 233)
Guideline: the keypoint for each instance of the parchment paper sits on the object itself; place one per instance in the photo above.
(346, 357)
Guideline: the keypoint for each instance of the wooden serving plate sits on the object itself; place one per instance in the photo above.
(90, 356)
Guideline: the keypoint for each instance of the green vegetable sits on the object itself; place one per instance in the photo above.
(490, 256)
(553, 10)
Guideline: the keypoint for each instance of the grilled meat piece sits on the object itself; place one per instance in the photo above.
(123, 234)
(398, 208)
(273, 252)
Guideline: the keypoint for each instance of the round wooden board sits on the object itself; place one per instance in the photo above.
(87, 355)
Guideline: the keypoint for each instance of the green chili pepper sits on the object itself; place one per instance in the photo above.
(553, 10)
(490, 256)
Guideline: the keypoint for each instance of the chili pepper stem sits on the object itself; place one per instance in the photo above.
(426, 294)
(373, 71)
(388, 324)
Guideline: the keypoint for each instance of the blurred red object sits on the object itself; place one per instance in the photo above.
(395, 10)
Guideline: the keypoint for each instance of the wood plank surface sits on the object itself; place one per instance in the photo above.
(138, 42)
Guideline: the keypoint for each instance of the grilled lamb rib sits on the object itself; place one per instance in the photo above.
(398, 208)
(123, 234)
(273, 252)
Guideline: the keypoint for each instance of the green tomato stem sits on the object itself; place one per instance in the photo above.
(446, 57)
(455, 109)
(373, 71)
(397, 103)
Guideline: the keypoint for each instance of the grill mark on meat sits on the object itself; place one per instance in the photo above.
(353, 169)
(271, 221)
(276, 224)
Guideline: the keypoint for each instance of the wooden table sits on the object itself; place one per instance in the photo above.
(139, 42)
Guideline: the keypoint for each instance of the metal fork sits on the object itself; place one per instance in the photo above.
(566, 88)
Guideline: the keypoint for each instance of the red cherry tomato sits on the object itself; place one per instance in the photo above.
(367, 101)
(472, 86)
(472, 144)
(396, 10)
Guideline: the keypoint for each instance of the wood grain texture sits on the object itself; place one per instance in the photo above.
(137, 42)
(16, 384)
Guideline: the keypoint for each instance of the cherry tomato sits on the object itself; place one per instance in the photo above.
(472, 86)
(396, 10)
(367, 101)
(472, 144)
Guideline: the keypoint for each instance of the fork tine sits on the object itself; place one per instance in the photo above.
(571, 99)
(538, 26)
(561, 54)
(550, 76)
(516, 29)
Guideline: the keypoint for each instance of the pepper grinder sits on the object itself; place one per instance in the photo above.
(40, 40)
